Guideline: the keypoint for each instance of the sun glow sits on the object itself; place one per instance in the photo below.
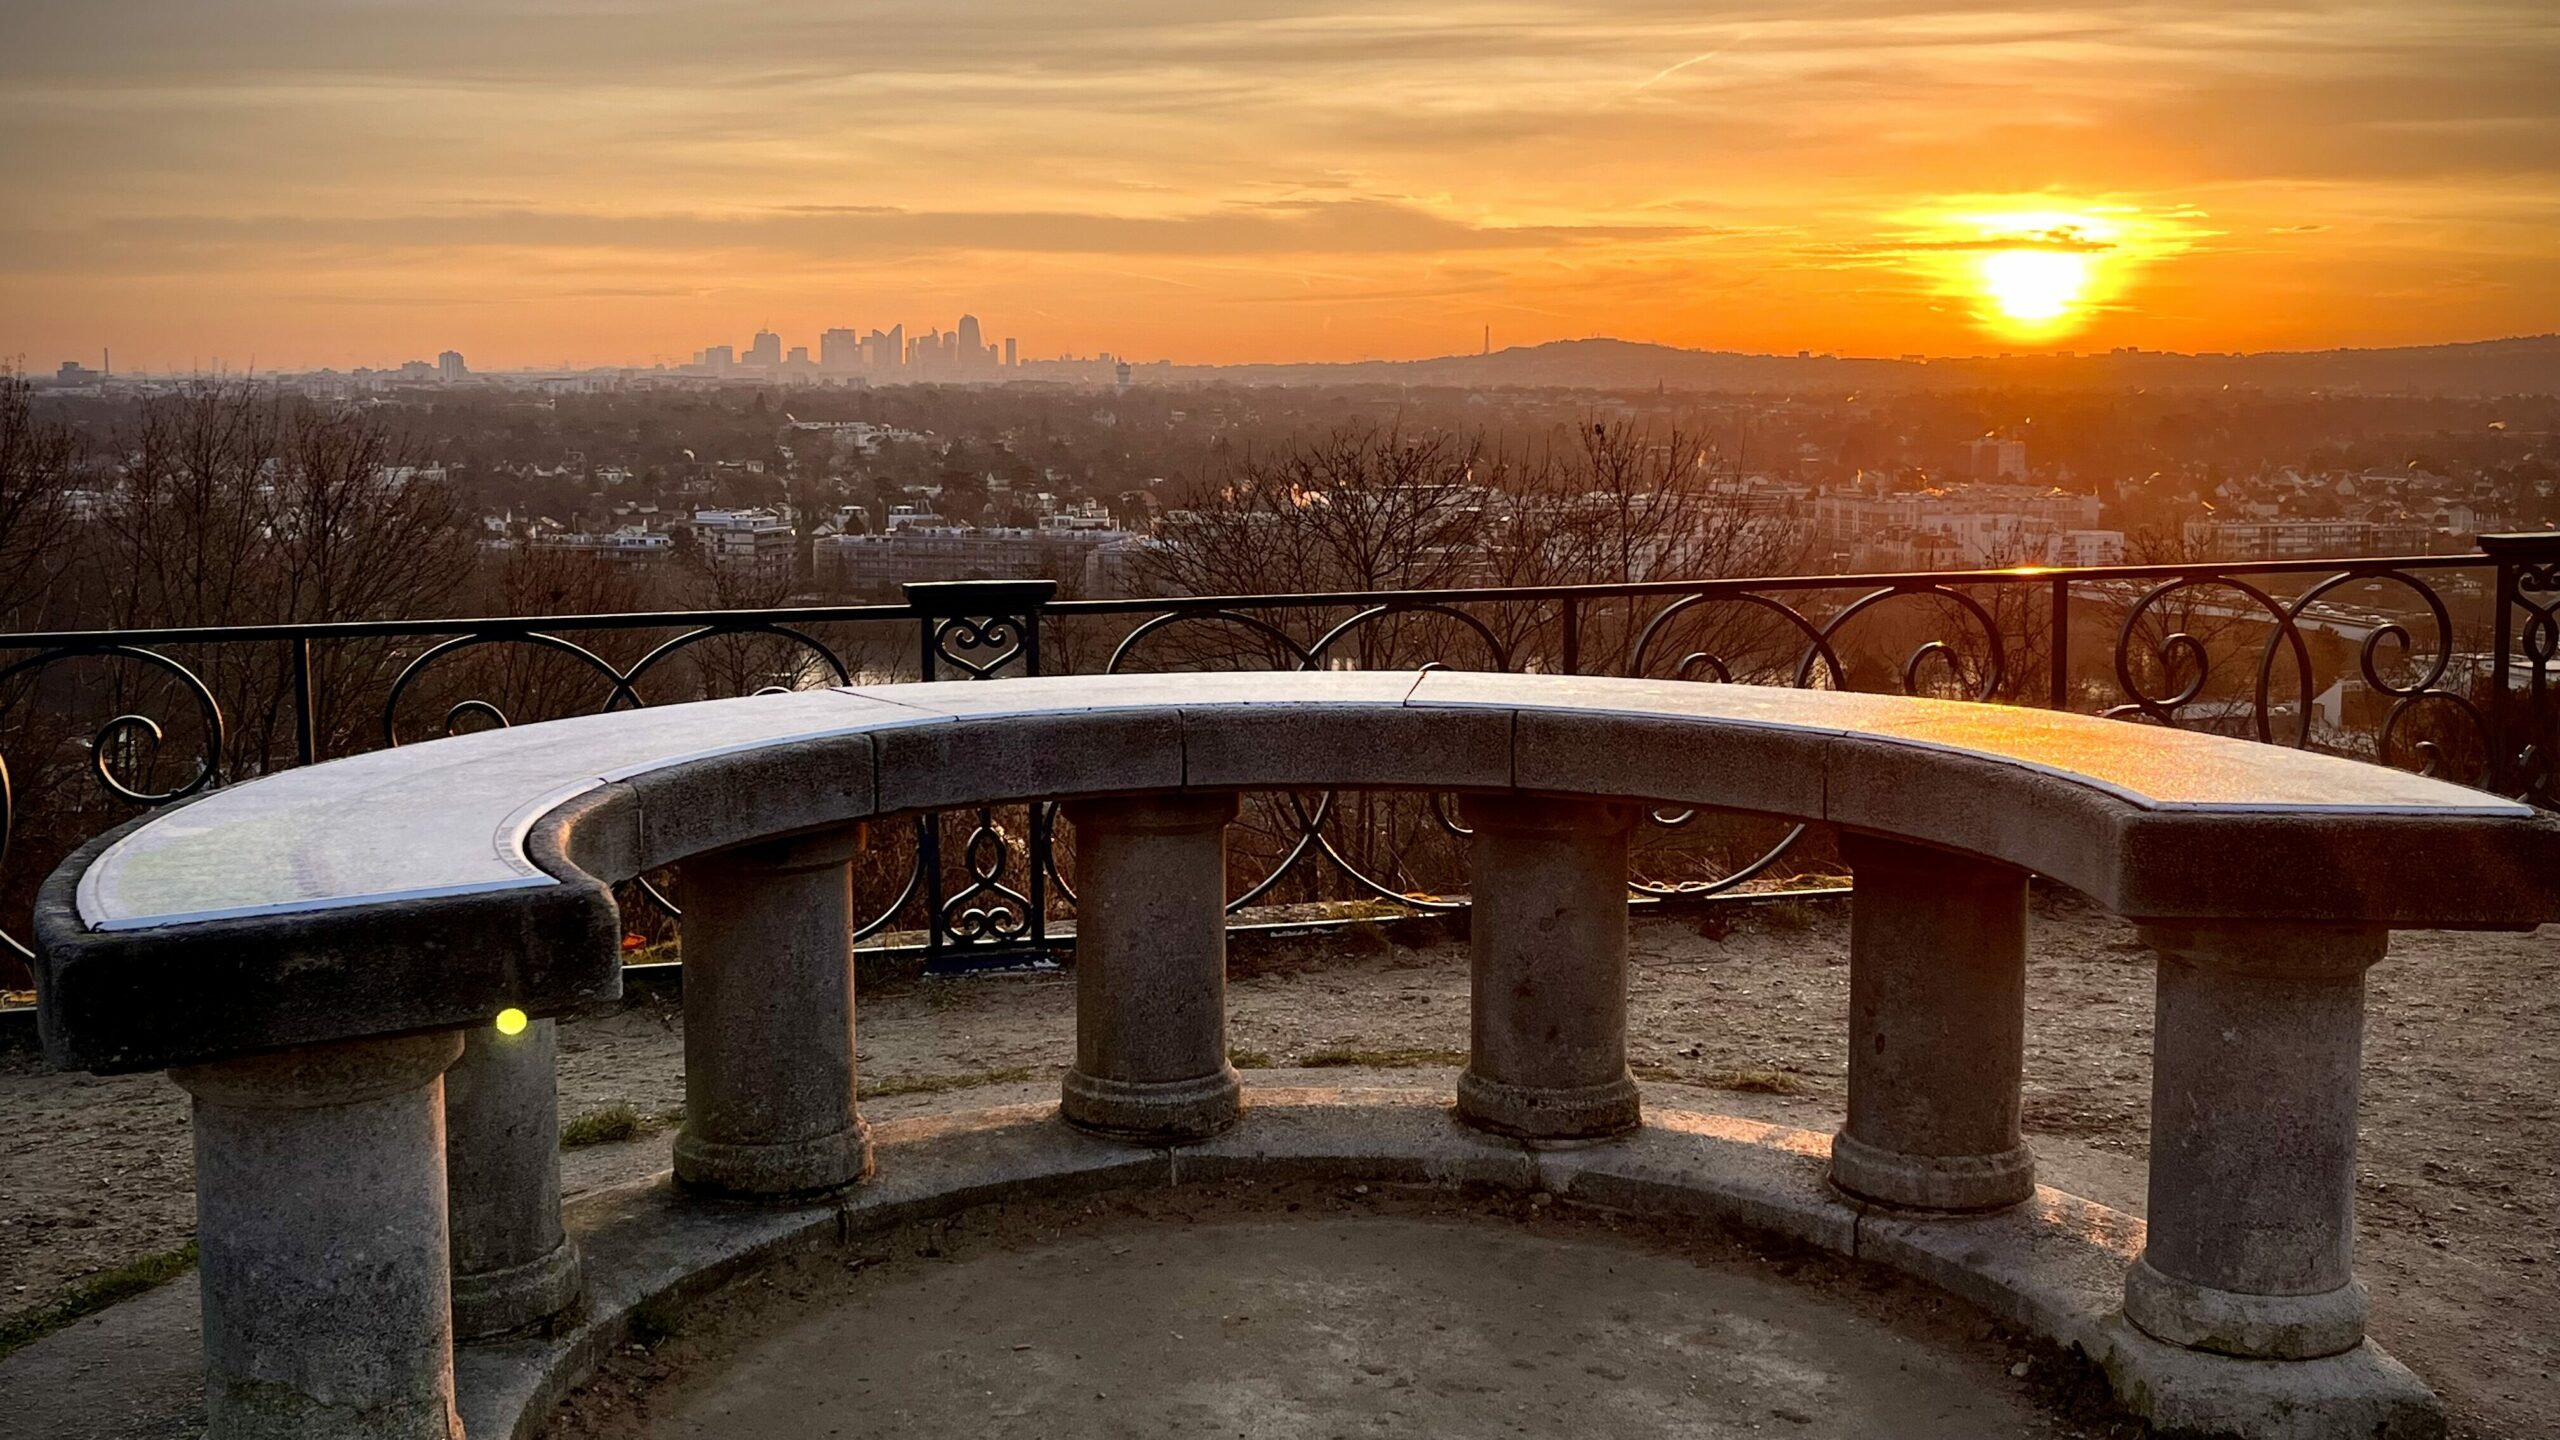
(2035, 287)
(2037, 272)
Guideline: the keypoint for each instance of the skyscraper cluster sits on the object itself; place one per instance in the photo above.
(961, 353)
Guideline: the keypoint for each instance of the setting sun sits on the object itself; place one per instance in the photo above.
(2039, 269)
(2035, 288)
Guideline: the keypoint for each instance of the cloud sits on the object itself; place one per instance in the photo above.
(1271, 228)
(689, 152)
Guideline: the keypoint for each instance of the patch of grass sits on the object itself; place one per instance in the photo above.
(1348, 1058)
(1363, 937)
(607, 1126)
(937, 1084)
(97, 1293)
(663, 953)
(1786, 915)
(655, 1321)
(1753, 1082)
(1354, 910)
(1249, 1059)
(1749, 1082)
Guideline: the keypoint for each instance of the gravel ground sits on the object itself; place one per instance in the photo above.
(2459, 1206)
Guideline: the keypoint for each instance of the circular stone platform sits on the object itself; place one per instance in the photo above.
(1259, 1324)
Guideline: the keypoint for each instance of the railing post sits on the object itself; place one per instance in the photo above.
(1569, 622)
(2256, 1052)
(1937, 1030)
(306, 716)
(769, 1086)
(2524, 729)
(513, 1265)
(1151, 968)
(2058, 628)
(1548, 969)
(979, 629)
(321, 1241)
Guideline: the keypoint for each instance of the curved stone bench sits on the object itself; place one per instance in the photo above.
(317, 956)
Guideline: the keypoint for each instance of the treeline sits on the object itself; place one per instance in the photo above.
(241, 506)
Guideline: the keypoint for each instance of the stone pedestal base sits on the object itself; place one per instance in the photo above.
(1932, 1182)
(493, 1302)
(1540, 1112)
(2257, 1327)
(781, 1168)
(1172, 1111)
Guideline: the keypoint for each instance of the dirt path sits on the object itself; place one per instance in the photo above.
(2459, 1209)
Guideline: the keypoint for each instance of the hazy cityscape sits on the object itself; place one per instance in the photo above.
(888, 459)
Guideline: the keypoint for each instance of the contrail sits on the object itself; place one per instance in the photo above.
(1668, 71)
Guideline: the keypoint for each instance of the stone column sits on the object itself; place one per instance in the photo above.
(512, 1263)
(2255, 1054)
(320, 1235)
(1548, 1059)
(768, 1020)
(1151, 968)
(1937, 1029)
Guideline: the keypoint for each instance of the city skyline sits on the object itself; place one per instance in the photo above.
(848, 355)
(326, 185)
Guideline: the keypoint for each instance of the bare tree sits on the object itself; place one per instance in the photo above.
(2172, 638)
(743, 662)
(37, 461)
(522, 681)
(1622, 505)
(37, 464)
(234, 505)
(221, 505)
(1375, 509)
(1362, 508)
(1378, 510)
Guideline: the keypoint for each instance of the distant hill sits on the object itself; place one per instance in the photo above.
(2528, 365)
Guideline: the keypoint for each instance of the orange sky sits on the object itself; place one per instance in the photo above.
(342, 182)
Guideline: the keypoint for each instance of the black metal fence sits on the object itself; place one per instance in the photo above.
(2436, 663)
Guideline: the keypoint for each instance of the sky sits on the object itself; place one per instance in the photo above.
(296, 183)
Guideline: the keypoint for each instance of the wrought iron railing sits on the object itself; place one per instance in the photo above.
(2438, 663)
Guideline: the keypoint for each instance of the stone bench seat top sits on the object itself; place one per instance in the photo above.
(482, 862)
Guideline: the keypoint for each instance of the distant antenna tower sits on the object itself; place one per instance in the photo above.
(1488, 339)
